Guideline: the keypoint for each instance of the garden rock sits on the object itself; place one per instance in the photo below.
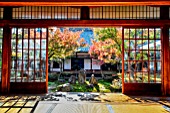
(88, 97)
(65, 87)
(51, 88)
(93, 80)
(117, 83)
(59, 87)
(53, 98)
(49, 97)
(82, 76)
(80, 94)
(90, 86)
(61, 80)
(72, 79)
(69, 98)
(58, 94)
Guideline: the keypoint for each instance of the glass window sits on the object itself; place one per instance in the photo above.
(28, 62)
(45, 12)
(125, 12)
(142, 55)
(1, 13)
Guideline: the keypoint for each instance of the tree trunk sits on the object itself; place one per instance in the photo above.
(118, 64)
(61, 66)
(49, 66)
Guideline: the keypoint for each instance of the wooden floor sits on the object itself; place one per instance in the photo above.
(98, 108)
(71, 108)
(18, 104)
(111, 103)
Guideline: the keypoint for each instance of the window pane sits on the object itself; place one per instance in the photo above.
(143, 59)
(27, 65)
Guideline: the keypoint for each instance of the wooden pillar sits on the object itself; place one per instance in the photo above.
(166, 62)
(123, 62)
(47, 30)
(85, 15)
(7, 15)
(164, 14)
(6, 52)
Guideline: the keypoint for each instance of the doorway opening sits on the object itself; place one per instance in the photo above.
(88, 59)
(115, 58)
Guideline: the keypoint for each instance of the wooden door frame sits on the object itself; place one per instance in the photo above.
(8, 23)
(143, 88)
(89, 23)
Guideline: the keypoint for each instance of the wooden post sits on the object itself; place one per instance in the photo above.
(123, 62)
(47, 31)
(164, 14)
(6, 52)
(85, 15)
(166, 62)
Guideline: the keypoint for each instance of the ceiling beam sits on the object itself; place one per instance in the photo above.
(84, 23)
(82, 2)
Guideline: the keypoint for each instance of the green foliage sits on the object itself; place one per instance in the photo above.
(106, 45)
(51, 83)
(105, 33)
(1, 33)
(52, 76)
(104, 86)
(81, 88)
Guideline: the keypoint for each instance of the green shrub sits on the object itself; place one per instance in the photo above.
(53, 76)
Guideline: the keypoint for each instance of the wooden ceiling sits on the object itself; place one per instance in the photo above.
(83, 2)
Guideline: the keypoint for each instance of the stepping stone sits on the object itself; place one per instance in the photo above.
(166, 108)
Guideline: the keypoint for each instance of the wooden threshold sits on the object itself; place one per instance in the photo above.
(28, 87)
(143, 89)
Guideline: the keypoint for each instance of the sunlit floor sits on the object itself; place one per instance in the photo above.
(71, 103)
(18, 104)
(98, 108)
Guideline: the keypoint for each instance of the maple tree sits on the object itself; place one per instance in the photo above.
(106, 45)
(64, 44)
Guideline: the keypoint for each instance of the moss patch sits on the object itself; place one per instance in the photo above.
(104, 86)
